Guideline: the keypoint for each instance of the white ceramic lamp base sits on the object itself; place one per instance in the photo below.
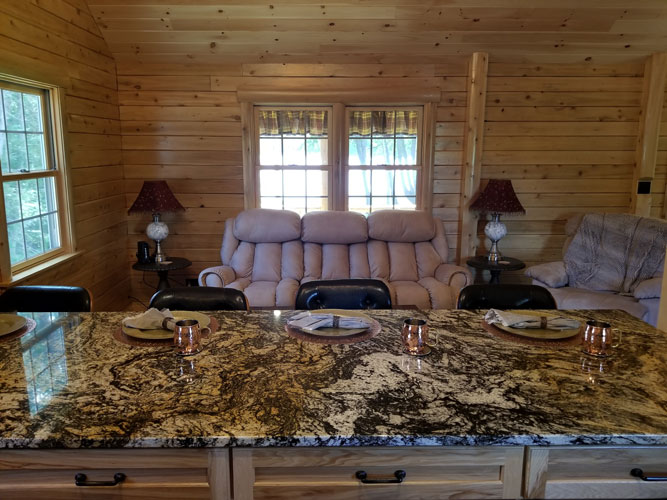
(495, 231)
(157, 231)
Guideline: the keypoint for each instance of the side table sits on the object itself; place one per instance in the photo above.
(162, 269)
(504, 264)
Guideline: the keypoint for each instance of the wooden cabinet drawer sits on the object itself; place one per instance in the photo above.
(593, 472)
(330, 473)
(150, 474)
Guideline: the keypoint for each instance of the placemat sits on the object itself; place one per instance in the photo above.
(121, 337)
(497, 332)
(372, 331)
(29, 326)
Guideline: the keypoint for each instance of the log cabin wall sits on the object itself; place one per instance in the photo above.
(182, 123)
(58, 42)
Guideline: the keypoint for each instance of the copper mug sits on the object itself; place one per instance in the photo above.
(415, 337)
(598, 339)
(187, 337)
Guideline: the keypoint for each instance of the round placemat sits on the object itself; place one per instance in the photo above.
(372, 331)
(29, 326)
(123, 338)
(497, 332)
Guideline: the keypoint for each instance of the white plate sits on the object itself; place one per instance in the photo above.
(538, 333)
(10, 323)
(161, 333)
(337, 332)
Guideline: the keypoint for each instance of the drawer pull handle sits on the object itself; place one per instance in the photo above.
(648, 476)
(362, 476)
(80, 480)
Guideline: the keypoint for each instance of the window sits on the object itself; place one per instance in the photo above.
(375, 162)
(33, 184)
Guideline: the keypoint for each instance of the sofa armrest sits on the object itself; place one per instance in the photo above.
(219, 276)
(455, 276)
(649, 289)
(552, 274)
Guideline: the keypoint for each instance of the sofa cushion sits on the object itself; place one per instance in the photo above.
(262, 225)
(580, 298)
(401, 226)
(334, 227)
(411, 293)
(550, 273)
(649, 289)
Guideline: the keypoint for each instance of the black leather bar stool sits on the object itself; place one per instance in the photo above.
(505, 296)
(45, 298)
(343, 294)
(200, 298)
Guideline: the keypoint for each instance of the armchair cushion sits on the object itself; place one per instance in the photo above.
(261, 225)
(219, 276)
(649, 289)
(552, 274)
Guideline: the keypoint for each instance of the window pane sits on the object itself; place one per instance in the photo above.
(271, 182)
(383, 151)
(29, 198)
(12, 201)
(317, 183)
(359, 204)
(383, 182)
(295, 183)
(4, 156)
(383, 123)
(405, 203)
(267, 202)
(317, 152)
(270, 151)
(360, 152)
(2, 113)
(50, 232)
(406, 151)
(317, 204)
(296, 204)
(33, 237)
(18, 153)
(13, 110)
(359, 183)
(381, 203)
(16, 243)
(32, 110)
(36, 151)
(406, 182)
(294, 152)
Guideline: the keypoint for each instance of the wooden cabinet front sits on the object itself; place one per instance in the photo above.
(594, 472)
(334, 473)
(148, 474)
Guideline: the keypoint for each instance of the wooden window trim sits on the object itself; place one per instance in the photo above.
(54, 138)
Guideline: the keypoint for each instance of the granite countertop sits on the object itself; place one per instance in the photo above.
(70, 384)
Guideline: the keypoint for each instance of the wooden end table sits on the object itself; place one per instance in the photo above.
(162, 269)
(504, 264)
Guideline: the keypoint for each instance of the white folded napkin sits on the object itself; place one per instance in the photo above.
(311, 321)
(515, 320)
(152, 319)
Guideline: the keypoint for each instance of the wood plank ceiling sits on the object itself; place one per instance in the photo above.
(381, 31)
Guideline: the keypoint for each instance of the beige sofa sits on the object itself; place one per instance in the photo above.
(610, 261)
(267, 254)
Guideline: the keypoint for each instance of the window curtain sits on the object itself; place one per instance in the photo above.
(384, 122)
(284, 122)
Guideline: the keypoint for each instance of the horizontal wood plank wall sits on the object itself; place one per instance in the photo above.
(659, 185)
(565, 135)
(182, 123)
(58, 42)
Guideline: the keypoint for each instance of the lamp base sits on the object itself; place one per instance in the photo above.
(159, 256)
(495, 231)
(157, 231)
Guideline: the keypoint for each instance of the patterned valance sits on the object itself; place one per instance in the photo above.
(279, 122)
(384, 122)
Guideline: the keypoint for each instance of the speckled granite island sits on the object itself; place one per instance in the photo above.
(259, 413)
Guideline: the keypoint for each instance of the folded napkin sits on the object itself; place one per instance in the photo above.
(311, 321)
(515, 320)
(151, 320)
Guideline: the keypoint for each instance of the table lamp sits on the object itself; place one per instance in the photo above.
(497, 198)
(156, 197)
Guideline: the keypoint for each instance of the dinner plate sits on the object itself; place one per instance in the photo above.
(10, 323)
(538, 333)
(337, 332)
(161, 333)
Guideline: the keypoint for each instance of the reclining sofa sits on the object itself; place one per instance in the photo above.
(267, 254)
(610, 261)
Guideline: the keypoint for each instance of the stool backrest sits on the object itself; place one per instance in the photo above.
(343, 294)
(503, 296)
(45, 298)
(198, 298)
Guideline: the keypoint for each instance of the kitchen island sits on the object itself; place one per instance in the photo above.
(279, 417)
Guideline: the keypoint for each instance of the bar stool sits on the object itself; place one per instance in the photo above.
(195, 298)
(505, 296)
(45, 298)
(343, 294)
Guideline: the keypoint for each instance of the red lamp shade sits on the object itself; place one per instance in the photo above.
(498, 197)
(155, 197)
